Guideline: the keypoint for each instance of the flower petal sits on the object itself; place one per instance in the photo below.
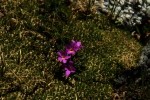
(64, 61)
(60, 59)
(59, 53)
(67, 72)
(67, 57)
(78, 44)
(71, 52)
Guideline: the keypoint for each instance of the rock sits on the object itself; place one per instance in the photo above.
(129, 8)
(145, 55)
(148, 1)
(148, 11)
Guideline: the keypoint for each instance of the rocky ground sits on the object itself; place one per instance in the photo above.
(130, 12)
(133, 15)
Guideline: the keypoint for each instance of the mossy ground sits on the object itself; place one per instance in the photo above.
(31, 32)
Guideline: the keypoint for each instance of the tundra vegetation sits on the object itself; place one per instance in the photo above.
(33, 31)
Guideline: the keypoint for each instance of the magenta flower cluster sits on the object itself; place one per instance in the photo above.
(65, 57)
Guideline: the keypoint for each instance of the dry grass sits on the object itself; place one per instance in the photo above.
(32, 34)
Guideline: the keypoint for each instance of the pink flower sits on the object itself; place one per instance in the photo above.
(69, 69)
(63, 56)
(73, 47)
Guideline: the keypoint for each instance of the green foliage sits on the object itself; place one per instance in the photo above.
(32, 31)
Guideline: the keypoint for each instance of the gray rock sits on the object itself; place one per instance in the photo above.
(129, 9)
(148, 11)
(148, 1)
(145, 55)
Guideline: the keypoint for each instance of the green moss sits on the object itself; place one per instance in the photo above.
(30, 38)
